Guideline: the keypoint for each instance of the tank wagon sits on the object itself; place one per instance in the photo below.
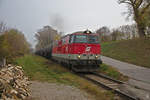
(80, 51)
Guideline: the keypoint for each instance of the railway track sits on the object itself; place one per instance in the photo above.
(109, 84)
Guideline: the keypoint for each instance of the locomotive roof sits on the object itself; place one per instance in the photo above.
(82, 33)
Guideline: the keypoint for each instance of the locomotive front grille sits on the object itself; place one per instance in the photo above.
(91, 54)
(86, 62)
(84, 57)
(84, 54)
(88, 56)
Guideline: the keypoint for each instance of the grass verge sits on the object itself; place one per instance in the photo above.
(112, 72)
(40, 69)
(135, 51)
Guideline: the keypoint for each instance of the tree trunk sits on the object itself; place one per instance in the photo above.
(141, 31)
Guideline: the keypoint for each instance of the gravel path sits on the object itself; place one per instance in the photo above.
(133, 71)
(139, 76)
(52, 91)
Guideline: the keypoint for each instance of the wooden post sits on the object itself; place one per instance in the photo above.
(4, 62)
(0, 63)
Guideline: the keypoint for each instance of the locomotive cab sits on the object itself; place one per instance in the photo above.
(84, 51)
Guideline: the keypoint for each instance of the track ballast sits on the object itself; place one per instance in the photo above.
(108, 83)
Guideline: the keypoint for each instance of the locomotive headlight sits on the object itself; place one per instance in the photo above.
(78, 56)
(96, 56)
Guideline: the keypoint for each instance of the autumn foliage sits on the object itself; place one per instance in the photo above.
(13, 44)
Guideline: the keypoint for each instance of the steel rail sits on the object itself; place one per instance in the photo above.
(118, 81)
(117, 91)
(109, 78)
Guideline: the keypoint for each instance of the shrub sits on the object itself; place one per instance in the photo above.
(13, 44)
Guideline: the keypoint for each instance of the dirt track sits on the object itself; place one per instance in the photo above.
(52, 91)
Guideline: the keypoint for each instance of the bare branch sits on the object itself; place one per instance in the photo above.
(145, 8)
(2, 27)
(138, 8)
(125, 1)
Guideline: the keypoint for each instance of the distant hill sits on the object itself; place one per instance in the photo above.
(135, 51)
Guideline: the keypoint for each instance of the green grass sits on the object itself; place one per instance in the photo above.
(135, 51)
(40, 69)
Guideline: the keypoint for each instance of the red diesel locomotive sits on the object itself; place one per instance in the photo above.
(80, 51)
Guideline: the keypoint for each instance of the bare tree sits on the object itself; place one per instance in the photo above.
(45, 36)
(104, 33)
(2, 27)
(128, 31)
(148, 23)
(116, 35)
(138, 9)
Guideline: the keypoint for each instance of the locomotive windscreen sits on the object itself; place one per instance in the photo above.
(84, 39)
(93, 39)
(80, 39)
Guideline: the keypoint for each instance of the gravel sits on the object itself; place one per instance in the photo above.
(53, 91)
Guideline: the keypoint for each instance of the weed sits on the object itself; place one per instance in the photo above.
(112, 72)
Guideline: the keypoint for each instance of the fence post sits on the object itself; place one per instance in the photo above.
(4, 62)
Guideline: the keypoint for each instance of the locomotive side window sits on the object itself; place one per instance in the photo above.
(72, 39)
(63, 41)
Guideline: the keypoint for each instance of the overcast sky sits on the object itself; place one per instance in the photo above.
(75, 15)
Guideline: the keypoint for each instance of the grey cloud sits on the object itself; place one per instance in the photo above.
(65, 15)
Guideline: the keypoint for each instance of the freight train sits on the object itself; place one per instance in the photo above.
(80, 51)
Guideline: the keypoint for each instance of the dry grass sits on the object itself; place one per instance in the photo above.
(136, 51)
(112, 72)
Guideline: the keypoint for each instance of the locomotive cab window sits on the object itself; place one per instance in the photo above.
(84, 39)
(80, 39)
(93, 39)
